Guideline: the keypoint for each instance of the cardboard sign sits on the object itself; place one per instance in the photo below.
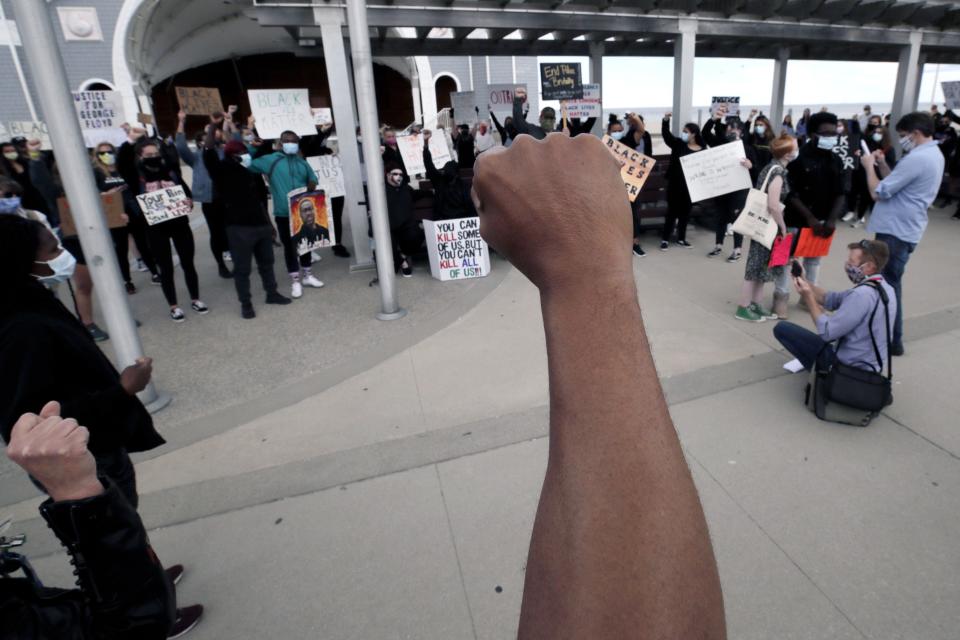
(587, 107)
(165, 204)
(330, 175)
(500, 97)
(100, 114)
(811, 245)
(144, 118)
(411, 150)
(732, 103)
(310, 225)
(951, 94)
(464, 107)
(279, 110)
(716, 171)
(634, 166)
(31, 131)
(561, 81)
(112, 209)
(322, 116)
(199, 101)
(456, 250)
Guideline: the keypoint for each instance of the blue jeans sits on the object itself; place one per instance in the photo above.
(805, 345)
(893, 273)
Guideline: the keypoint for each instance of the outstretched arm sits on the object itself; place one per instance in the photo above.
(620, 543)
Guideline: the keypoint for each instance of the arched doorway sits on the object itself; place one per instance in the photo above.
(444, 86)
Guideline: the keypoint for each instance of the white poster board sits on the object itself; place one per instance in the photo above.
(456, 250)
(951, 94)
(411, 150)
(164, 204)
(732, 103)
(329, 173)
(100, 114)
(716, 171)
(279, 110)
(500, 97)
(589, 106)
(31, 131)
(322, 116)
(464, 105)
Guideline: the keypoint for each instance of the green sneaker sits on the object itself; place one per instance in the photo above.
(747, 314)
(763, 313)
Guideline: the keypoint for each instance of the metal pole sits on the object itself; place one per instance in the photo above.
(16, 64)
(370, 131)
(684, 48)
(43, 55)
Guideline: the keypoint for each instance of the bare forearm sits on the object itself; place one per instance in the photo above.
(619, 527)
(873, 181)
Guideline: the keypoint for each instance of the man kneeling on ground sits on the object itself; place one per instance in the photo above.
(850, 323)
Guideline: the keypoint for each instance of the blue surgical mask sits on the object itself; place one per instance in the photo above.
(685, 136)
(617, 135)
(291, 148)
(62, 266)
(10, 205)
(245, 159)
(827, 143)
(760, 129)
(248, 137)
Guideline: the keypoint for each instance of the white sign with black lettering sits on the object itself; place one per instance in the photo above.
(411, 150)
(456, 250)
(100, 114)
(951, 94)
(330, 174)
(165, 204)
(716, 171)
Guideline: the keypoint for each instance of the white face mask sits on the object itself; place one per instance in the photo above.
(907, 144)
(793, 155)
(877, 137)
(245, 159)
(617, 135)
(760, 129)
(291, 148)
(62, 266)
(685, 136)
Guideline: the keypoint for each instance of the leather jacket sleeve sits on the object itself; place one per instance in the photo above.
(123, 592)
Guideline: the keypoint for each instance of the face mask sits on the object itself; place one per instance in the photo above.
(62, 266)
(733, 137)
(10, 205)
(907, 143)
(291, 148)
(35, 155)
(107, 158)
(395, 180)
(390, 142)
(245, 159)
(855, 273)
(827, 143)
(685, 136)
(793, 155)
(760, 129)
(11, 155)
(548, 124)
(152, 164)
(877, 137)
(617, 135)
(248, 137)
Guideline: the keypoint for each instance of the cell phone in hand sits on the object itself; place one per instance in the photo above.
(796, 270)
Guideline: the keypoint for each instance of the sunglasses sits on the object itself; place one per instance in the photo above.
(395, 174)
(9, 194)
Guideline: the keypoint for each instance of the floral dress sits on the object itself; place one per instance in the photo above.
(757, 269)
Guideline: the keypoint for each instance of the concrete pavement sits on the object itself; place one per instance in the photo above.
(397, 502)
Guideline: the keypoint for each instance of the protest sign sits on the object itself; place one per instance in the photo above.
(951, 94)
(112, 209)
(560, 81)
(500, 97)
(810, 245)
(411, 150)
(199, 101)
(732, 104)
(100, 114)
(587, 107)
(164, 204)
(634, 166)
(845, 151)
(330, 174)
(322, 116)
(456, 250)
(464, 107)
(716, 171)
(144, 118)
(31, 131)
(279, 110)
(310, 224)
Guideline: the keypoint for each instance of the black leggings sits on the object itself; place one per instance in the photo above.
(678, 214)
(137, 228)
(338, 217)
(215, 215)
(290, 249)
(728, 206)
(407, 240)
(178, 230)
(121, 247)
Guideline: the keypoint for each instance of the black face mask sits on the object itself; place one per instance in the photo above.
(152, 165)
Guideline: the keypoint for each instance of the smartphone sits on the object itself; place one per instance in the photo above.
(796, 270)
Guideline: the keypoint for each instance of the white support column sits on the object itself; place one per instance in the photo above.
(905, 93)
(335, 58)
(921, 61)
(684, 51)
(596, 77)
(779, 88)
(370, 130)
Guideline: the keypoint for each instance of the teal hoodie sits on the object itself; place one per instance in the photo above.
(284, 173)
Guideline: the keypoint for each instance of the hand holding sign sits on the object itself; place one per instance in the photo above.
(553, 233)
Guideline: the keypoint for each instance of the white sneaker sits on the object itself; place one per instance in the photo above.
(296, 291)
(316, 256)
(729, 230)
(850, 216)
(140, 266)
(857, 224)
(227, 257)
(311, 281)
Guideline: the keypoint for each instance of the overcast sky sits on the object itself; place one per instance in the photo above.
(648, 82)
